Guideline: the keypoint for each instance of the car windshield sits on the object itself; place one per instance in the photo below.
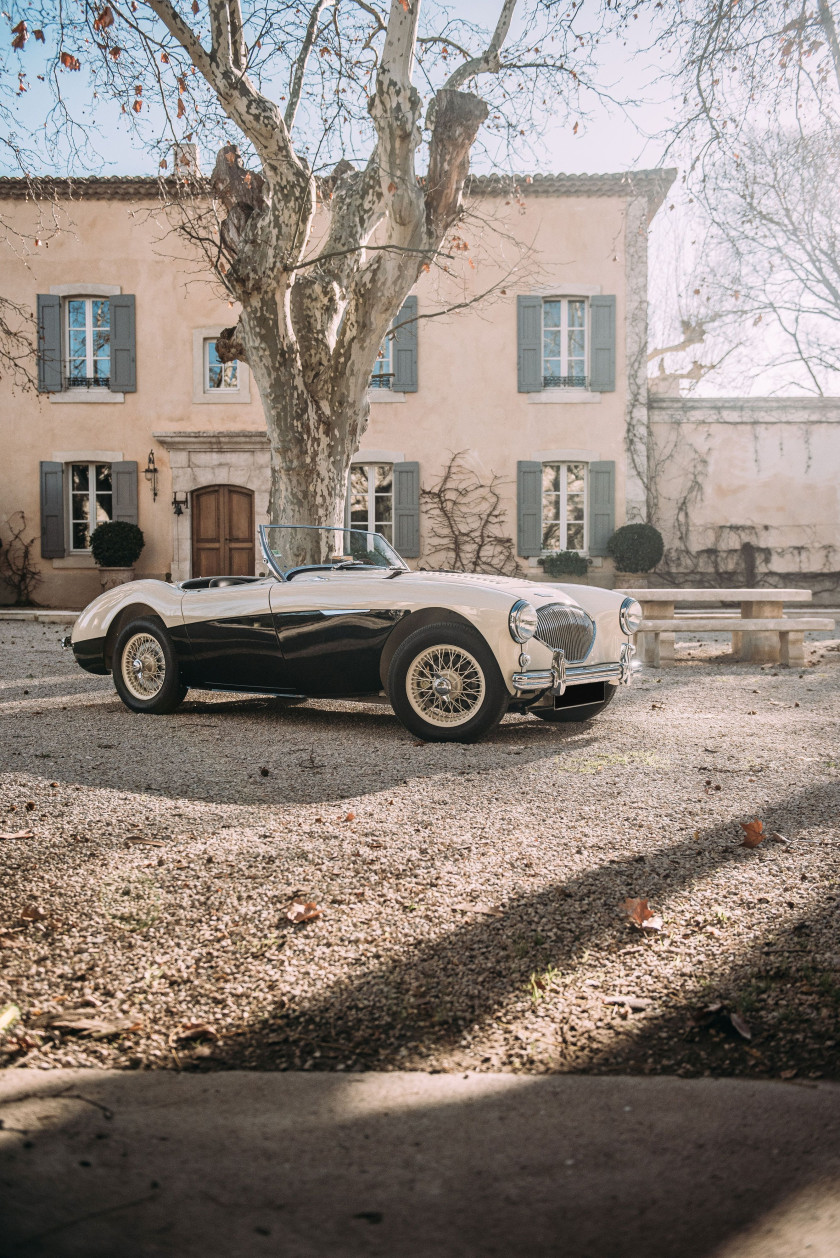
(286, 547)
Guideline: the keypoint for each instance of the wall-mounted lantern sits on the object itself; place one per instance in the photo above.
(180, 501)
(151, 474)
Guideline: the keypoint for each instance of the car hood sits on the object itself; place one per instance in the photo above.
(535, 592)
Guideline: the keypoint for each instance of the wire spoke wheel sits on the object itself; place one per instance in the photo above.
(143, 666)
(445, 685)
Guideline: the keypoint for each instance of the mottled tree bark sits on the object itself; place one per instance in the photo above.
(311, 328)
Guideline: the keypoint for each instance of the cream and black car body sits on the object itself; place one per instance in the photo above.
(452, 652)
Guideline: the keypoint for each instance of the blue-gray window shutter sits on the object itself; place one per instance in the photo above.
(407, 509)
(49, 343)
(404, 349)
(602, 344)
(123, 351)
(124, 486)
(528, 508)
(529, 345)
(52, 511)
(601, 506)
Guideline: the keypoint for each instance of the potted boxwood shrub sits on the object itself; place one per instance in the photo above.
(116, 547)
(636, 549)
(564, 563)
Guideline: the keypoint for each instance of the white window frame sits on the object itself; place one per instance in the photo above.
(564, 300)
(370, 468)
(89, 330)
(68, 503)
(564, 520)
(83, 292)
(201, 394)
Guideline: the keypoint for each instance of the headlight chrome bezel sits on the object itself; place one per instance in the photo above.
(630, 616)
(522, 621)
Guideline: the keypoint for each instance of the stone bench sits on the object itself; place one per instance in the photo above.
(759, 647)
(788, 632)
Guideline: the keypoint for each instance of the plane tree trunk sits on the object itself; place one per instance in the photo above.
(311, 324)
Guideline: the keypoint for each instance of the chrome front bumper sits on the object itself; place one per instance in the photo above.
(561, 674)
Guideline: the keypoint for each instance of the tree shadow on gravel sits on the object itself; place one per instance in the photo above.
(424, 1001)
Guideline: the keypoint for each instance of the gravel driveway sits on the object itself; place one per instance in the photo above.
(470, 898)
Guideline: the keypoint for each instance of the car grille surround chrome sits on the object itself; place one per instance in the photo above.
(566, 629)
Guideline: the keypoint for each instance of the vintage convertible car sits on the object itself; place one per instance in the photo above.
(341, 616)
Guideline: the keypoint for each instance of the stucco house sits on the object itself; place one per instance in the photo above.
(134, 418)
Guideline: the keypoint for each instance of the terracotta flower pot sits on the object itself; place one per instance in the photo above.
(111, 577)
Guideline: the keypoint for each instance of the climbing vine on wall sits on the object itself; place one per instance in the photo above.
(466, 521)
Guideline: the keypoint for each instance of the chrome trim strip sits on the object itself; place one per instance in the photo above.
(561, 674)
(345, 611)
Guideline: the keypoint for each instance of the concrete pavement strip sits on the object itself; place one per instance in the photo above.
(100, 1164)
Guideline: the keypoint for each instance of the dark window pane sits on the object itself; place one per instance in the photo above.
(79, 476)
(81, 538)
(551, 537)
(574, 537)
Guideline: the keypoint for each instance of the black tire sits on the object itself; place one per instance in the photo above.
(162, 681)
(585, 712)
(477, 698)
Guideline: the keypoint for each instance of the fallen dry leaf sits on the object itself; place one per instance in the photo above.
(31, 913)
(298, 912)
(19, 834)
(491, 910)
(632, 1002)
(136, 838)
(9, 1015)
(11, 940)
(787, 1074)
(642, 915)
(753, 832)
(351, 816)
(81, 1023)
(196, 1031)
(740, 1026)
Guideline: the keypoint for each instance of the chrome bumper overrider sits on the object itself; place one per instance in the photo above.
(561, 674)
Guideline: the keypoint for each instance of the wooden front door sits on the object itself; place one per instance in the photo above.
(222, 531)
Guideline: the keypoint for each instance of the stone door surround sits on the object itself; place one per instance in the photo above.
(197, 459)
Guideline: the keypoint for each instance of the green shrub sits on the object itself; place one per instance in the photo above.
(116, 544)
(636, 547)
(564, 563)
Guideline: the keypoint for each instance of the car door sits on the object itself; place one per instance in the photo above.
(331, 632)
(233, 639)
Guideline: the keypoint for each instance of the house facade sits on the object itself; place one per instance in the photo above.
(526, 355)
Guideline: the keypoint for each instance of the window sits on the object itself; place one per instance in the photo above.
(382, 373)
(88, 346)
(564, 506)
(564, 343)
(91, 501)
(218, 375)
(371, 498)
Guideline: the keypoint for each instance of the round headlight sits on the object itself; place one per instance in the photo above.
(522, 621)
(630, 616)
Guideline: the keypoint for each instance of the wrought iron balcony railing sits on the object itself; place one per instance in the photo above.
(87, 382)
(565, 382)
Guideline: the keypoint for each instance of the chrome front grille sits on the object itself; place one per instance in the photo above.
(566, 629)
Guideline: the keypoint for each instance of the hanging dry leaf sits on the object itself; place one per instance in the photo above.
(299, 912)
(18, 834)
(104, 19)
(39, 35)
(70, 62)
(115, 53)
(137, 106)
(21, 34)
(195, 7)
(753, 832)
(164, 57)
(181, 109)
